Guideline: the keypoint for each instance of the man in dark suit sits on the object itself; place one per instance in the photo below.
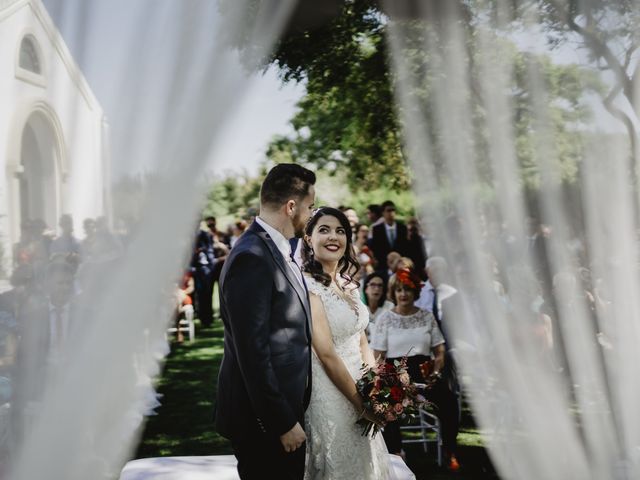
(264, 380)
(203, 263)
(389, 236)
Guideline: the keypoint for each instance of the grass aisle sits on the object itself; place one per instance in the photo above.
(184, 424)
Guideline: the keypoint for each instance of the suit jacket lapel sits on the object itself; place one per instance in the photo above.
(300, 290)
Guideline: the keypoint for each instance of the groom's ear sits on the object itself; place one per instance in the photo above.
(290, 208)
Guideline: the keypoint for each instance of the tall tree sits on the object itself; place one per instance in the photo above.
(348, 118)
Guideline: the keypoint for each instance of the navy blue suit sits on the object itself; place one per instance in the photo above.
(264, 379)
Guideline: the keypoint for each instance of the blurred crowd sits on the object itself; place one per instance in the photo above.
(39, 310)
(413, 295)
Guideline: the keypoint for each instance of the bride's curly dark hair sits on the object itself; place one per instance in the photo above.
(348, 266)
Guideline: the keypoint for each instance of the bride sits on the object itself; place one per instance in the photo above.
(336, 448)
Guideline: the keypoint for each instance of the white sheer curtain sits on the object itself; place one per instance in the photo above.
(477, 118)
(178, 79)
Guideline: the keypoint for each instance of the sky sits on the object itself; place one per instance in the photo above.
(104, 36)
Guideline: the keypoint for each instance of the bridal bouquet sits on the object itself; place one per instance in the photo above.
(388, 393)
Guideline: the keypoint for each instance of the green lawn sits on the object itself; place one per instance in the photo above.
(184, 424)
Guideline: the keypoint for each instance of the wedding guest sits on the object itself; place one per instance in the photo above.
(392, 263)
(535, 327)
(221, 242)
(45, 324)
(374, 214)
(237, 229)
(375, 298)
(184, 302)
(537, 251)
(22, 250)
(352, 216)
(363, 252)
(390, 235)
(406, 330)
(203, 263)
(36, 252)
(65, 242)
(443, 301)
(405, 263)
(221, 247)
(416, 246)
(88, 242)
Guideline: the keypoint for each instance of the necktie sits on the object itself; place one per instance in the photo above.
(392, 236)
(434, 307)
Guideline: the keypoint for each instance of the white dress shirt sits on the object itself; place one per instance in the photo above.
(425, 301)
(284, 247)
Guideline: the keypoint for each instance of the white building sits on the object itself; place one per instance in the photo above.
(53, 133)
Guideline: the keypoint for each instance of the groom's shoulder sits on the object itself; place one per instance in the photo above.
(249, 245)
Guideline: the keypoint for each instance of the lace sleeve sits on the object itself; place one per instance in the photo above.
(379, 339)
(314, 287)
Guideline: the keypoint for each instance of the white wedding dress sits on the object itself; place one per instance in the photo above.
(336, 449)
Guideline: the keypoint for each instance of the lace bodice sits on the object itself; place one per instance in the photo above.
(347, 317)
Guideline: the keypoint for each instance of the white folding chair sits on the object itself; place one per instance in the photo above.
(185, 323)
(427, 423)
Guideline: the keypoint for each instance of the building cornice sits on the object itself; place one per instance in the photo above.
(10, 7)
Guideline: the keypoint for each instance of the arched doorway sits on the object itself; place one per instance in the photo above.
(39, 177)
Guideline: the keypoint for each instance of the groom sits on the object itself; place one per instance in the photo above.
(264, 380)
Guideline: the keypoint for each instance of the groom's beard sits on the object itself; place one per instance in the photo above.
(298, 225)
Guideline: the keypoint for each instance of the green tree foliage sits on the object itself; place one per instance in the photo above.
(607, 30)
(234, 196)
(348, 120)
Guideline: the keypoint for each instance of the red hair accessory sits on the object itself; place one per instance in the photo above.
(408, 278)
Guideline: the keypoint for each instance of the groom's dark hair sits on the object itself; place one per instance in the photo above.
(286, 181)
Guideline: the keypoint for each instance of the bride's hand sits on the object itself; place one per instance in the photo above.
(372, 417)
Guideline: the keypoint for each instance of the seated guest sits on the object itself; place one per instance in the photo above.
(184, 302)
(392, 263)
(375, 298)
(405, 263)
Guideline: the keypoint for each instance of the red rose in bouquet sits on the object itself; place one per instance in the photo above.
(397, 394)
(388, 392)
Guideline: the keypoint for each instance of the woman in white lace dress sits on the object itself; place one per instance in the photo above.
(335, 446)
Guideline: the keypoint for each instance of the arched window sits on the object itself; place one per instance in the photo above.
(29, 55)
